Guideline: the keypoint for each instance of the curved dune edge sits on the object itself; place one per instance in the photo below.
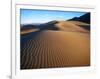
(51, 49)
(71, 26)
(28, 31)
(79, 23)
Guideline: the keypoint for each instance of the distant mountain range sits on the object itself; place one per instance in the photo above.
(84, 18)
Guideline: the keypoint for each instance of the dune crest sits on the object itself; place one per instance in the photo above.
(69, 26)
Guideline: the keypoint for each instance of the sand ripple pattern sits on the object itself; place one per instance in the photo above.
(52, 49)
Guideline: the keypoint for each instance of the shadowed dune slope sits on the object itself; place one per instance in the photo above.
(50, 49)
(28, 31)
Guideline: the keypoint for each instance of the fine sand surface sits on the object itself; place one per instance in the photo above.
(67, 47)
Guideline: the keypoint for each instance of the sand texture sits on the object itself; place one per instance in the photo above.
(67, 45)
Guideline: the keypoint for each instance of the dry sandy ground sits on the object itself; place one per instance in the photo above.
(67, 47)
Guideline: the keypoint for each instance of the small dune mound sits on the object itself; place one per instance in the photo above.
(79, 23)
(28, 31)
(69, 26)
(28, 28)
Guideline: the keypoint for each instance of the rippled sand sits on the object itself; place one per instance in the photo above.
(67, 47)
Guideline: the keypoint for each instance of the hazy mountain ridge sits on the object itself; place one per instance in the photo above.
(84, 18)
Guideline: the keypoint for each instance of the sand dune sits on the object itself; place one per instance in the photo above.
(71, 26)
(56, 43)
(50, 49)
(79, 23)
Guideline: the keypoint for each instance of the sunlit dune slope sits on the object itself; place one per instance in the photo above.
(71, 26)
(50, 49)
(79, 23)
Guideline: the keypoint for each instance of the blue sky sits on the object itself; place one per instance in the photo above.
(42, 16)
